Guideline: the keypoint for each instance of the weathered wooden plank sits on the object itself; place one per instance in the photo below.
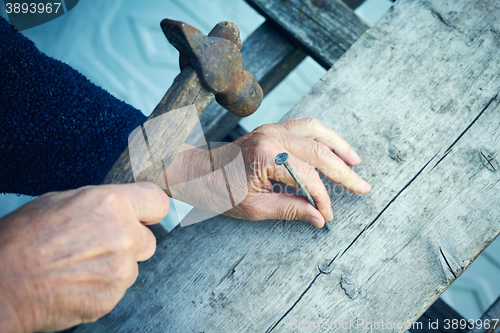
(324, 28)
(417, 96)
(271, 56)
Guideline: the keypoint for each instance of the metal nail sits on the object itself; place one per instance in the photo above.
(282, 159)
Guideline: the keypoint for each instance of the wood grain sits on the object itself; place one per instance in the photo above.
(424, 82)
(324, 28)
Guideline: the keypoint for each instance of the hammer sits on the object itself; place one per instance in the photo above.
(210, 65)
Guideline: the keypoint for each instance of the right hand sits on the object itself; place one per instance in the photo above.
(68, 257)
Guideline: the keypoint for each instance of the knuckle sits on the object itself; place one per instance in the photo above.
(106, 199)
(262, 145)
(309, 172)
(269, 129)
(312, 122)
(123, 242)
(320, 150)
(112, 198)
(121, 271)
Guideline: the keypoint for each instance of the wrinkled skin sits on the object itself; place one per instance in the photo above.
(68, 257)
(310, 145)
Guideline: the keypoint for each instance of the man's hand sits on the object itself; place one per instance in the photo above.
(311, 147)
(68, 257)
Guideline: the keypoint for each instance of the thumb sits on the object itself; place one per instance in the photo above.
(295, 207)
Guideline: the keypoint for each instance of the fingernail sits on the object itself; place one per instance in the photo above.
(365, 185)
(313, 220)
(355, 157)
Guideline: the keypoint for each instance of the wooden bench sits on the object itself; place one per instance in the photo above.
(417, 96)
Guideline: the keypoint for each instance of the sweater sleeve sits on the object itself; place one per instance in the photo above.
(57, 130)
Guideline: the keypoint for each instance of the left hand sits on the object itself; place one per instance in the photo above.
(311, 146)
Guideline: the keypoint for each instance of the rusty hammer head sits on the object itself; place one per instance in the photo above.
(218, 63)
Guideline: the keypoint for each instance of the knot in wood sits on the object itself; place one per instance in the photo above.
(349, 287)
(397, 154)
(325, 267)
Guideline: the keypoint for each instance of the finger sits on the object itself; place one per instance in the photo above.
(150, 203)
(310, 178)
(287, 206)
(328, 163)
(314, 129)
(145, 243)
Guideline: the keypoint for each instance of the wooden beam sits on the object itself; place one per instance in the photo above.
(417, 96)
(324, 28)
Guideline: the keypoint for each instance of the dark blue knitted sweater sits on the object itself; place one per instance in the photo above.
(57, 130)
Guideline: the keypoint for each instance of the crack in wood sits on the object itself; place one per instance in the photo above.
(271, 275)
(272, 327)
(447, 263)
(495, 32)
(441, 18)
(490, 160)
(387, 206)
(466, 129)
(448, 24)
(232, 269)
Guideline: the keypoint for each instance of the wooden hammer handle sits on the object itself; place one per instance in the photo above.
(185, 91)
